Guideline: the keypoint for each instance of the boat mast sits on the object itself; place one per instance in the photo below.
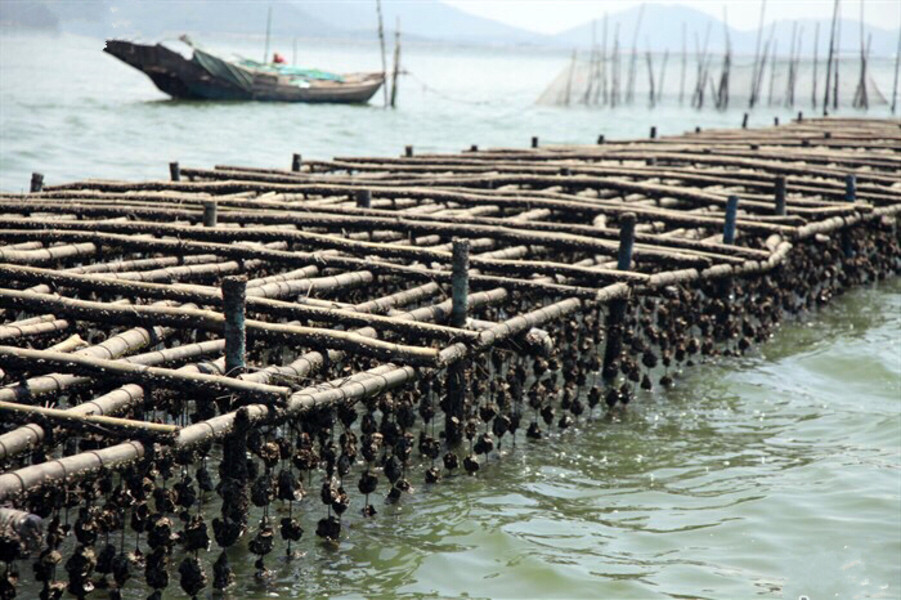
(268, 29)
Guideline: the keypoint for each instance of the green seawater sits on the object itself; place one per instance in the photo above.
(777, 475)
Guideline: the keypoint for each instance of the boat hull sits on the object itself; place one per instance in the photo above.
(179, 77)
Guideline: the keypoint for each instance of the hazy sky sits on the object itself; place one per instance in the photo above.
(553, 16)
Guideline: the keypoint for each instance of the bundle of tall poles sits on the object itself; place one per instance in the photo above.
(604, 84)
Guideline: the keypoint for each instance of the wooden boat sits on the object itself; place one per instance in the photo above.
(206, 76)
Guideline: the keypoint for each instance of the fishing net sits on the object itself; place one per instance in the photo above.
(594, 82)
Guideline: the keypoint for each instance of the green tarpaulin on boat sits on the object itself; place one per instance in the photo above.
(217, 67)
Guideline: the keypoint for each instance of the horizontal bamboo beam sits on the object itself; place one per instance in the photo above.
(210, 321)
(118, 370)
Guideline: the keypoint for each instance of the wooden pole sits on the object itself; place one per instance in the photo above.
(364, 198)
(396, 69)
(850, 188)
(651, 95)
(617, 308)
(454, 415)
(897, 66)
(838, 54)
(757, 65)
(460, 282)
(37, 182)
(829, 59)
(684, 64)
(630, 86)
(234, 293)
(780, 195)
(729, 226)
(569, 80)
(174, 171)
(296, 161)
(662, 72)
(209, 213)
(816, 51)
(378, 9)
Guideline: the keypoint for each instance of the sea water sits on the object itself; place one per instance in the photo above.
(777, 475)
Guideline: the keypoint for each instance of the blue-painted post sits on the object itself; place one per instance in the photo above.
(455, 412)
(729, 227)
(850, 187)
(234, 294)
(780, 195)
(626, 241)
(364, 199)
(210, 213)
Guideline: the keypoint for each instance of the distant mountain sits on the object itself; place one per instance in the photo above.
(661, 29)
(430, 19)
(155, 18)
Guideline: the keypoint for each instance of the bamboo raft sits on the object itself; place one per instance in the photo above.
(229, 334)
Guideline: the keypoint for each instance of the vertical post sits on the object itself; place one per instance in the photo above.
(474, 148)
(626, 241)
(775, 121)
(729, 227)
(653, 132)
(174, 171)
(296, 160)
(454, 413)
(234, 293)
(534, 141)
(617, 308)
(744, 121)
(697, 129)
(780, 195)
(209, 213)
(396, 69)
(408, 151)
(37, 182)
(378, 9)
(601, 139)
(364, 199)
(800, 116)
(850, 187)
(460, 282)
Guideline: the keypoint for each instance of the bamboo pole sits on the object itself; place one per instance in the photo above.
(829, 58)
(897, 71)
(755, 72)
(214, 322)
(816, 50)
(396, 69)
(378, 10)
